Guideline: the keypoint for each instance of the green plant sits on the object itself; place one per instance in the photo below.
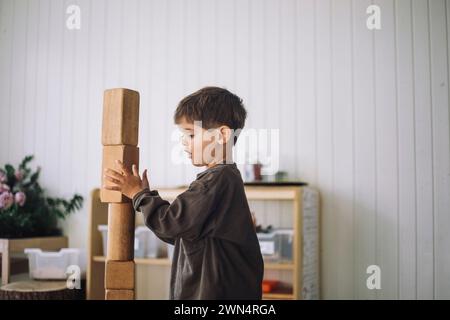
(25, 209)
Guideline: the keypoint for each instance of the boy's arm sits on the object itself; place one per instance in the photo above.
(185, 217)
(139, 201)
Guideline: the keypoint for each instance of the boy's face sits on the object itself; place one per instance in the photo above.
(202, 146)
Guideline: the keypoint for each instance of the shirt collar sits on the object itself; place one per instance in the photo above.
(217, 166)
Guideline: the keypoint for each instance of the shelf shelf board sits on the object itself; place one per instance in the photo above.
(168, 262)
(45, 243)
(278, 296)
(252, 192)
(148, 261)
(278, 266)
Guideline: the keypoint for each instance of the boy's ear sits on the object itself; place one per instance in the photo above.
(225, 134)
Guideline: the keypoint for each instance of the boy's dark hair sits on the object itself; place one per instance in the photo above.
(213, 106)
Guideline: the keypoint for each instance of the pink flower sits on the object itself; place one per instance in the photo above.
(3, 177)
(4, 187)
(6, 200)
(20, 198)
(19, 175)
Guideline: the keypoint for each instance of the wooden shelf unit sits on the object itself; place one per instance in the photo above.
(11, 246)
(168, 262)
(98, 215)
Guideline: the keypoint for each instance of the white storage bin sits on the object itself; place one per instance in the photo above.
(141, 235)
(284, 239)
(276, 246)
(267, 245)
(154, 245)
(53, 265)
(146, 243)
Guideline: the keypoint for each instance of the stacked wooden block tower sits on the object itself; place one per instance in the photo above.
(120, 139)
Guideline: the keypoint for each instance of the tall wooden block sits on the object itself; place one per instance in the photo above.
(119, 294)
(129, 155)
(120, 117)
(119, 139)
(121, 222)
(119, 275)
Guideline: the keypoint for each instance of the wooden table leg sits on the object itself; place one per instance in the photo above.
(4, 249)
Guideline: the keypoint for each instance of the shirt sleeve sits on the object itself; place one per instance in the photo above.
(189, 216)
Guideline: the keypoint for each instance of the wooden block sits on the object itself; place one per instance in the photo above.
(121, 222)
(128, 155)
(120, 117)
(119, 275)
(119, 295)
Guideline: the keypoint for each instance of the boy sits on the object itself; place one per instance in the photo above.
(216, 254)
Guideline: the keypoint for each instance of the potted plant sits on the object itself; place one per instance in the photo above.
(25, 208)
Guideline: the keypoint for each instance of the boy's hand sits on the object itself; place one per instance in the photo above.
(129, 183)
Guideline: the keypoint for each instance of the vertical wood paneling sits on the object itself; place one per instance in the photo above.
(364, 149)
(96, 22)
(386, 152)
(191, 71)
(129, 33)
(158, 95)
(256, 102)
(441, 155)
(29, 121)
(424, 151)
(272, 108)
(225, 24)
(363, 115)
(79, 102)
(66, 124)
(288, 85)
(208, 41)
(242, 65)
(18, 69)
(41, 98)
(305, 126)
(6, 45)
(325, 156)
(287, 69)
(342, 144)
(143, 76)
(113, 43)
(406, 152)
(53, 90)
(175, 54)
